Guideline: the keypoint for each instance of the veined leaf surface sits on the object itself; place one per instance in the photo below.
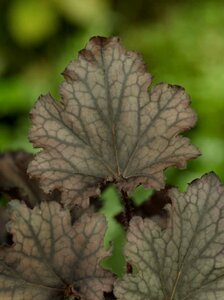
(52, 259)
(108, 126)
(184, 261)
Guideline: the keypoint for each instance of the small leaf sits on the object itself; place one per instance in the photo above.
(184, 261)
(108, 127)
(15, 182)
(153, 208)
(52, 259)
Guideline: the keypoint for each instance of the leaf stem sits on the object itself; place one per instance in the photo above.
(127, 215)
(128, 209)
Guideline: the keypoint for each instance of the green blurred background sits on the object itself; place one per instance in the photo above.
(182, 43)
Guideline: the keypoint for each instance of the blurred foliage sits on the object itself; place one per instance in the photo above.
(182, 42)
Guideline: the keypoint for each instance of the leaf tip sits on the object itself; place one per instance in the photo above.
(103, 41)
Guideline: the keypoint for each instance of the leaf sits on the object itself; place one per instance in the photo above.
(52, 259)
(108, 127)
(153, 208)
(184, 261)
(15, 182)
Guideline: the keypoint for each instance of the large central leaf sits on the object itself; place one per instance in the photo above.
(186, 260)
(107, 126)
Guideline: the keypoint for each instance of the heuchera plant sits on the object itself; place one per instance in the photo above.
(108, 128)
